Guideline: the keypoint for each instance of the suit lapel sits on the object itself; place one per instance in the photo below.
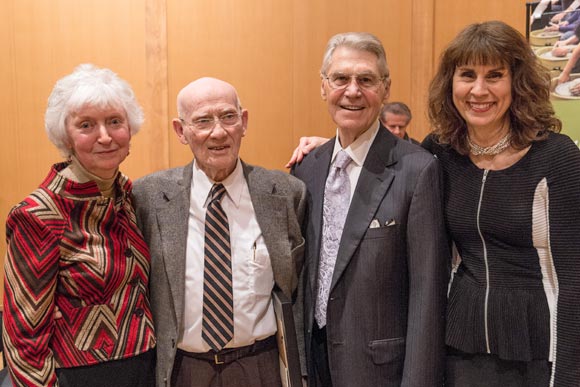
(373, 184)
(173, 219)
(316, 182)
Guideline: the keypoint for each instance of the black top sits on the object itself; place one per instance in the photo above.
(516, 291)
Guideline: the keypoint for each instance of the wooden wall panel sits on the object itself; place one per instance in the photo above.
(315, 22)
(270, 50)
(44, 40)
(248, 44)
(452, 16)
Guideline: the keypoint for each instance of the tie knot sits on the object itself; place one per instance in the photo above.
(217, 192)
(342, 159)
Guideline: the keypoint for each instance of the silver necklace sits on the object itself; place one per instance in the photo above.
(492, 150)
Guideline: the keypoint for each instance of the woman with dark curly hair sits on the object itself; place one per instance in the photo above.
(512, 189)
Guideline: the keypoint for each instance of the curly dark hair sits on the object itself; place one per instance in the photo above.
(531, 113)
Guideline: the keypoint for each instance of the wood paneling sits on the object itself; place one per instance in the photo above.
(270, 51)
(248, 44)
(315, 22)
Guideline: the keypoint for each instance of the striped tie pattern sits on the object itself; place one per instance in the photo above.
(218, 310)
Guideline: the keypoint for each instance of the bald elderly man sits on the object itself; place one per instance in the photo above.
(222, 235)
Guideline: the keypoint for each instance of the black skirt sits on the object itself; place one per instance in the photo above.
(482, 370)
(137, 371)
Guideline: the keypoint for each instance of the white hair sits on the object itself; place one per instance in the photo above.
(93, 86)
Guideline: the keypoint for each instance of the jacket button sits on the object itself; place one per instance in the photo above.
(139, 312)
(128, 252)
(134, 281)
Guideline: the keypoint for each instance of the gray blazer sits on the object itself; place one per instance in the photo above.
(386, 310)
(162, 205)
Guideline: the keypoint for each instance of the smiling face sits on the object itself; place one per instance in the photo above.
(99, 138)
(482, 95)
(215, 149)
(353, 108)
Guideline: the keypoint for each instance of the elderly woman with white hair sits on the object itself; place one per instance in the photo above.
(74, 246)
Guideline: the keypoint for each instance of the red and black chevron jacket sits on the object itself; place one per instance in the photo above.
(71, 247)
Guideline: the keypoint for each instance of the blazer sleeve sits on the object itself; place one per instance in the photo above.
(564, 229)
(428, 271)
(31, 268)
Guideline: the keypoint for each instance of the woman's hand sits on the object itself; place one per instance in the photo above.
(560, 51)
(304, 147)
(558, 17)
(563, 78)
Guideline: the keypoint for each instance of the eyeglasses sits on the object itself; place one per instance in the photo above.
(367, 81)
(207, 123)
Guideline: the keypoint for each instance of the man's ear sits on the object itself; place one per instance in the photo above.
(178, 128)
(387, 92)
(244, 121)
(322, 90)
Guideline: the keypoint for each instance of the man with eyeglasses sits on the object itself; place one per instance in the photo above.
(222, 235)
(377, 257)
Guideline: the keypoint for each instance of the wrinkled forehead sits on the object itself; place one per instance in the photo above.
(213, 103)
(345, 58)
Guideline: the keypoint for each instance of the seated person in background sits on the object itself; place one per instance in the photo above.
(561, 46)
(396, 117)
(573, 64)
(565, 75)
(539, 11)
(558, 17)
(566, 26)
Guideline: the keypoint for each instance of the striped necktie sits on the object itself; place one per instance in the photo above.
(218, 310)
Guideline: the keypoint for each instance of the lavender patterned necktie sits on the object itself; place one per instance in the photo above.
(336, 203)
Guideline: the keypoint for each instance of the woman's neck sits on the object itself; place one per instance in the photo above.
(78, 173)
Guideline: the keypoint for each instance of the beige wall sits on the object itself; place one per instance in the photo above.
(270, 50)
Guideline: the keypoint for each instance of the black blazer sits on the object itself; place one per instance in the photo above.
(386, 312)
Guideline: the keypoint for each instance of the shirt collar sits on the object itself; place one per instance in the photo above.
(234, 183)
(359, 149)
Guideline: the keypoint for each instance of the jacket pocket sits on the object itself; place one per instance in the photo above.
(387, 350)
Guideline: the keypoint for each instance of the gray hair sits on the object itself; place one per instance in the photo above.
(88, 85)
(363, 41)
(398, 108)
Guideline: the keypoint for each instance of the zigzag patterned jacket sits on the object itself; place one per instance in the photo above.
(71, 247)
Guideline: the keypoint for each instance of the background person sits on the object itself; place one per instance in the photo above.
(512, 210)
(567, 7)
(74, 244)
(263, 248)
(396, 116)
(572, 65)
(377, 260)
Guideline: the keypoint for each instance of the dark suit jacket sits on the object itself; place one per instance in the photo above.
(386, 310)
(162, 204)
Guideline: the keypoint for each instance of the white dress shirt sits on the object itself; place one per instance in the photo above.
(252, 274)
(357, 151)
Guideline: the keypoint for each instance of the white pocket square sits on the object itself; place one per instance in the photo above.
(375, 224)
(390, 222)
